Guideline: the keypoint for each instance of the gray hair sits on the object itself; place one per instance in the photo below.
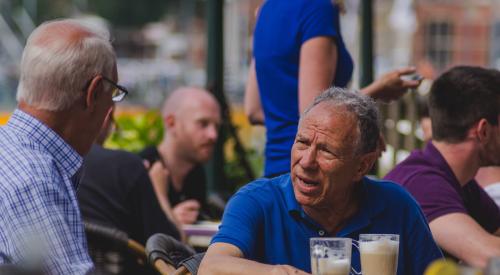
(362, 107)
(57, 64)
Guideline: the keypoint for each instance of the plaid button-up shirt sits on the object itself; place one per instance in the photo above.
(39, 216)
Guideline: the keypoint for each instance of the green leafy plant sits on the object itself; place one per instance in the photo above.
(134, 131)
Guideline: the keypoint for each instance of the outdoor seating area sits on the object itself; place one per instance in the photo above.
(250, 137)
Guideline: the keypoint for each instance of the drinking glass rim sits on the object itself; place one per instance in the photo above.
(329, 239)
(380, 235)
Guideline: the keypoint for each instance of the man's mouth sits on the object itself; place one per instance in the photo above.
(308, 182)
(307, 186)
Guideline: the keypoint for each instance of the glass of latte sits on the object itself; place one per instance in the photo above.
(379, 253)
(330, 256)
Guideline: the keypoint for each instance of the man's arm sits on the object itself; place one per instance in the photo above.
(464, 238)
(159, 176)
(42, 223)
(318, 63)
(224, 258)
(253, 106)
(391, 86)
(155, 217)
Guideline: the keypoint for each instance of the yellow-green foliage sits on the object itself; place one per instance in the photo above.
(134, 131)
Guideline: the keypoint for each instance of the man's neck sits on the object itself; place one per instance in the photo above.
(463, 159)
(176, 164)
(334, 217)
(61, 123)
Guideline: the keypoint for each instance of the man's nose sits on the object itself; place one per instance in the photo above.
(212, 132)
(308, 160)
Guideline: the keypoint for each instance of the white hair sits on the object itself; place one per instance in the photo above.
(59, 61)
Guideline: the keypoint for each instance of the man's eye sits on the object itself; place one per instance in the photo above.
(203, 123)
(328, 153)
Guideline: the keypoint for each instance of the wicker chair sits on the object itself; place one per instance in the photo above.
(171, 257)
(11, 269)
(114, 253)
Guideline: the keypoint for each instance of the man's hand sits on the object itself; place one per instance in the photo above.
(187, 212)
(391, 86)
(287, 270)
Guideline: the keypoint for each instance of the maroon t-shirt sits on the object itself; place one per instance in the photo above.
(427, 176)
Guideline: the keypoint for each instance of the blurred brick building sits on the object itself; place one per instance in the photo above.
(457, 32)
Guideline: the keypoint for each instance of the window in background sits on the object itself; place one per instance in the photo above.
(438, 39)
(495, 45)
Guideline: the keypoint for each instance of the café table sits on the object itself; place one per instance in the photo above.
(200, 234)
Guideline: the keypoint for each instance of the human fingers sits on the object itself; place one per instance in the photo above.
(406, 70)
(411, 84)
(185, 215)
(190, 204)
(146, 163)
(158, 171)
(287, 269)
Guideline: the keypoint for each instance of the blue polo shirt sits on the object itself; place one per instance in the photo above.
(281, 29)
(264, 220)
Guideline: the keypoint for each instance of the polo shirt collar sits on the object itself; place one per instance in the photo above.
(292, 205)
(65, 156)
(432, 154)
(370, 206)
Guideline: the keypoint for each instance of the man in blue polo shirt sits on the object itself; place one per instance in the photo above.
(267, 225)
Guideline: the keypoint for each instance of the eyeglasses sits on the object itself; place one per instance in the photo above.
(119, 92)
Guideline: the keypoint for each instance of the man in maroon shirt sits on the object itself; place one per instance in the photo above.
(464, 105)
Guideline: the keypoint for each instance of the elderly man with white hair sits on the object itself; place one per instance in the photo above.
(66, 90)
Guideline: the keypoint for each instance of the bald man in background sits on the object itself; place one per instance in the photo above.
(191, 118)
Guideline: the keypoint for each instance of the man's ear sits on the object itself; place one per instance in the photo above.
(366, 163)
(169, 121)
(91, 92)
(482, 130)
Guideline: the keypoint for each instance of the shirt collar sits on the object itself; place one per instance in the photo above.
(432, 154)
(66, 158)
(370, 206)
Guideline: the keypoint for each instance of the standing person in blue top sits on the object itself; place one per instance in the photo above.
(267, 225)
(66, 89)
(299, 52)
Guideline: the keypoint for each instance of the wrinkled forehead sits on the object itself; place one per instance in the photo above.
(332, 121)
(326, 114)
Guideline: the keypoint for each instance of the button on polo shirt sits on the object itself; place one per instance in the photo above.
(265, 221)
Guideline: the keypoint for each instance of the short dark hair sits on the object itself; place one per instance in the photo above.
(461, 97)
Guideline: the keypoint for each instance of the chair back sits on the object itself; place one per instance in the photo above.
(169, 255)
(113, 252)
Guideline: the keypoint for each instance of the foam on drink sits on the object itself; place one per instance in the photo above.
(379, 257)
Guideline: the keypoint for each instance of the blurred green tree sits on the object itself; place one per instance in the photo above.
(130, 13)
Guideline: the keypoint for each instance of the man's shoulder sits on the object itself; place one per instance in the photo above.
(387, 190)
(265, 184)
(265, 190)
(416, 170)
(150, 154)
(24, 161)
(118, 157)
